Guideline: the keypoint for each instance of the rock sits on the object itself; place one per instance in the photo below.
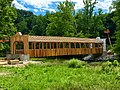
(103, 57)
(89, 57)
(109, 52)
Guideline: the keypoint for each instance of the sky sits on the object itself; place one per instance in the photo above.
(41, 6)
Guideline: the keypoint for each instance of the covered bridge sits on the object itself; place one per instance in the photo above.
(44, 46)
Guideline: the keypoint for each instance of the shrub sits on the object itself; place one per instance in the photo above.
(111, 67)
(115, 63)
(106, 66)
(108, 63)
(75, 63)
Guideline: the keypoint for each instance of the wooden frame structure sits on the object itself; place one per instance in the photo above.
(43, 46)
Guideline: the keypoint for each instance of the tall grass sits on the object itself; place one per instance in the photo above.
(59, 77)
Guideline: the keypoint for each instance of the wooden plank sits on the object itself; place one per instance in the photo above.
(3, 63)
(13, 62)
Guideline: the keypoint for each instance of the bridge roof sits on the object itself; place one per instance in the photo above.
(62, 39)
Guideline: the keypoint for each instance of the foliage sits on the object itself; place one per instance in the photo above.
(116, 47)
(107, 66)
(111, 67)
(25, 21)
(91, 23)
(62, 23)
(75, 63)
(7, 17)
(115, 63)
(116, 19)
(5, 49)
(80, 34)
(40, 26)
(28, 23)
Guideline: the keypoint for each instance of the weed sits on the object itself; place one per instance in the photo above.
(115, 63)
(106, 66)
(75, 63)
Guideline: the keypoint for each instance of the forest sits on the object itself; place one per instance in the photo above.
(86, 22)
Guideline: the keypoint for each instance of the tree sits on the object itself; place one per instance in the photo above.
(22, 27)
(116, 19)
(25, 21)
(88, 21)
(7, 17)
(40, 27)
(88, 13)
(62, 23)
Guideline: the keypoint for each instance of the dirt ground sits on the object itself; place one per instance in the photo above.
(23, 64)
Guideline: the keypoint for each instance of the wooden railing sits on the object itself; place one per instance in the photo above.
(65, 51)
(19, 51)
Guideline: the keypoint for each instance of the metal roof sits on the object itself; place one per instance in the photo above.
(61, 39)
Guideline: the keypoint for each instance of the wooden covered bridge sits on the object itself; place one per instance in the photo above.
(44, 46)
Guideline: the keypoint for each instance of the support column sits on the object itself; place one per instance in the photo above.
(26, 44)
(12, 45)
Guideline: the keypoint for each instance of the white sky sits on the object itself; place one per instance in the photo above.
(104, 4)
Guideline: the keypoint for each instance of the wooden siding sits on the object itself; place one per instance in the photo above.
(62, 52)
(45, 52)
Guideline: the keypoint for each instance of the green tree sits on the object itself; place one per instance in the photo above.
(62, 23)
(22, 27)
(89, 22)
(40, 27)
(7, 18)
(88, 13)
(25, 21)
(116, 19)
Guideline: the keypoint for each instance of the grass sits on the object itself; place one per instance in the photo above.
(57, 75)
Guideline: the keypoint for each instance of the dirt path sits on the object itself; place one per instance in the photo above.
(23, 64)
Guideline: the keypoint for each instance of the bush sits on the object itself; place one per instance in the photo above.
(108, 63)
(115, 63)
(75, 63)
(106, 66)
(111, 67)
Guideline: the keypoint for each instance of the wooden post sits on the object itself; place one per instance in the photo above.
(50, 45)
(42, 45)
(109, 40)
(46, 45)
(57, 45)
(63, 45)
(80, 45)
(12, 45)
(107, 32)
(75, 45)
(26, 44)
(35, 48)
